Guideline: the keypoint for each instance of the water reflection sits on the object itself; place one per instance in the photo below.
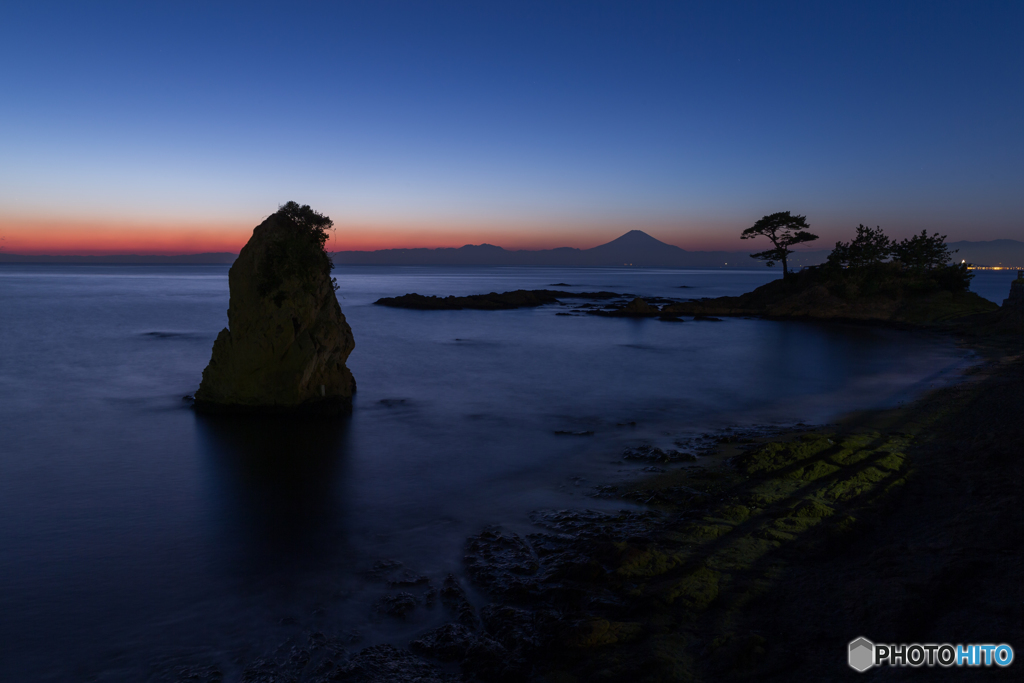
(276, 484)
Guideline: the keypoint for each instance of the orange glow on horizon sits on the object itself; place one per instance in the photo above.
(61, 236)
(56, 236)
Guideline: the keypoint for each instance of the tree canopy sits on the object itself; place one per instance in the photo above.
(921, 259)
(299, 258)
(304, 216)
(868, 247)
(784, 230)
(922, 252)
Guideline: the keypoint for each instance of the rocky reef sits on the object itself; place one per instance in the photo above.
(520, 298)
(879, 293)
(286, 343)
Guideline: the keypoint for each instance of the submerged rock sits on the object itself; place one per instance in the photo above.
(286, 343)
(637, 308)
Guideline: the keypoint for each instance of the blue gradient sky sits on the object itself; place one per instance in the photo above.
(525, 124)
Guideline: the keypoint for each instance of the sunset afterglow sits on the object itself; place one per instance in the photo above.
(529, 125)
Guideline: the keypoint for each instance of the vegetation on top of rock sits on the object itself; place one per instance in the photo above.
(301, 254)
(920, 255)
(872, 277)
(870, 247)
(784, 230)
(922, 252)
(922, 261)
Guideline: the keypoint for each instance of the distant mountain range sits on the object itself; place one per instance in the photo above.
(635, 248)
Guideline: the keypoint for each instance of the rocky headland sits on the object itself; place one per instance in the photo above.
(882, 293)
(286, 343)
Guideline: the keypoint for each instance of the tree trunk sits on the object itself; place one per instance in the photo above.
(785, 269)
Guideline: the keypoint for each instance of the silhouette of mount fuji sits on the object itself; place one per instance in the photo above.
(635, 248)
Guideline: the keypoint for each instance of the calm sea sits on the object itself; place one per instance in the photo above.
(136, 536)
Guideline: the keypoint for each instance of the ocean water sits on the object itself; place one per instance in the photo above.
(137, 536)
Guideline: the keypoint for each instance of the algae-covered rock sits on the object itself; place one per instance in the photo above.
(598, 632)
(287, 340)
(695, 591)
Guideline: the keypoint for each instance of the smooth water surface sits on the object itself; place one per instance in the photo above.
(994, 285)
(136, 535)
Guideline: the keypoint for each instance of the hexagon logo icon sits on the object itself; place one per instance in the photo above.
(861, 654)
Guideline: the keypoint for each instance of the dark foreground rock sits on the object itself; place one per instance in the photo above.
(520, 298)
(387, 664)
(764, 564)
(286, 343)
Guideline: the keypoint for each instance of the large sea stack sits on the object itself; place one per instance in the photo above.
(286, 343)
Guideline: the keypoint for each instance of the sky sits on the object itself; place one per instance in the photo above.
(176, 127)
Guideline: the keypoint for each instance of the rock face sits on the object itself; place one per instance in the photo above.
(286, 343)
(1016, 298)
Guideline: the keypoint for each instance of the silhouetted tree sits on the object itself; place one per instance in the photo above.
(920, 262)
(869, 247)
(304, 216)
(922, 252)
(784, 230)
(297, 258)
(930, 255)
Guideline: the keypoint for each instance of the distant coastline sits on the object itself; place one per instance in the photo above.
(635, 248)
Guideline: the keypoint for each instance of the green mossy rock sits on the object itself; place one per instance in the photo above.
(286, 343)
(695, 591)
(600, 632)
(645, 563)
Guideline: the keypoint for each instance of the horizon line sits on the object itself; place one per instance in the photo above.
(99, 253)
